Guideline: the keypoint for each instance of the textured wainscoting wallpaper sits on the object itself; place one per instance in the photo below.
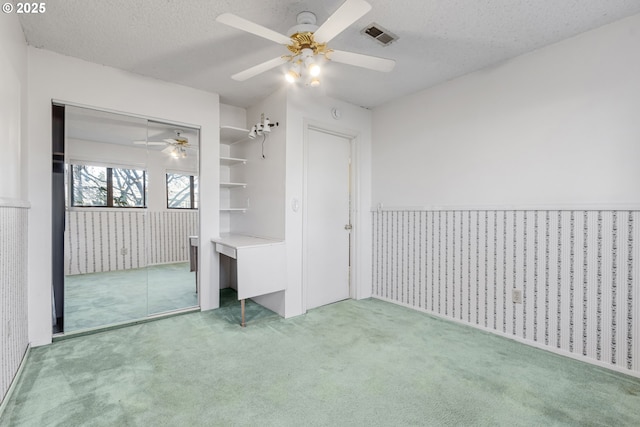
(97, 241)
(577, 270)
(13, 293)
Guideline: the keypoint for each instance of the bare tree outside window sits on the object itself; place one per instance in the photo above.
(128, 187)
(182, 191)
(99, 186)
(89, 185)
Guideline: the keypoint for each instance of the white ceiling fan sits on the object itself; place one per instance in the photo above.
(307, 43)
(176, 147)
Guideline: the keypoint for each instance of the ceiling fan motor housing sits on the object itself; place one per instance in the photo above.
(302, 34)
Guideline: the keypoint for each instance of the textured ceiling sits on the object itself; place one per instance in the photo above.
(180, 41)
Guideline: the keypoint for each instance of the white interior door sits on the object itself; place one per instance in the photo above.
(328, 212)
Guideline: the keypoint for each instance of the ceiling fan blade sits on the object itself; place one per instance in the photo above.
(347, 14)
(260, 68)
(250, 27)
(169, 149)
(365, 61)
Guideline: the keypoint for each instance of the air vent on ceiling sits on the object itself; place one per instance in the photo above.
(379, 34)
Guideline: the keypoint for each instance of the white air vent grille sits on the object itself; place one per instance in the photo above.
(379, 34)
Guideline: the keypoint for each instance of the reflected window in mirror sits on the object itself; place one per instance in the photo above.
(182, 191)
(103, 186)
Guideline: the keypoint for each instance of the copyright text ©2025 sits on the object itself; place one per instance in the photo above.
(24, 7)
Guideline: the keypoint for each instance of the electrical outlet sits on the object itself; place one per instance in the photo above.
(516, 296)
(124, 251)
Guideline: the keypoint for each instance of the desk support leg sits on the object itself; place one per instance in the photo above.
(243, 324)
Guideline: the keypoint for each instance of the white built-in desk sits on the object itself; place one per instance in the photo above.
(260, 264)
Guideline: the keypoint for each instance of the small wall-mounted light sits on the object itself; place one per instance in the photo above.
(262, 127)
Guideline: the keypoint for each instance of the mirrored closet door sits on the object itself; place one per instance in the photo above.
(130, 219)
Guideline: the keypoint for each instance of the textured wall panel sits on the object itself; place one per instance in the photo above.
(98, 241)
(578, 272)
(13, 293)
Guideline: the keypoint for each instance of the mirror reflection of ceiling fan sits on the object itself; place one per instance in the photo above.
(176, 147)
(307, 44)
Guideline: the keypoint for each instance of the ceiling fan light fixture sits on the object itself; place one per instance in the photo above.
(315, 82)
(252, 133)
(312, 66)
(314, 70)
(289, 77)
(180, 139)
(307, 43)
(292, 75)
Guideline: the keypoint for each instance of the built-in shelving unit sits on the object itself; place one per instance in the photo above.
(232, 161)
(233, 185)
(230, 135)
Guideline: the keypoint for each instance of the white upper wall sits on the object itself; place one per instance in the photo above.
(13, 113)
(556, 127)
(54, 76)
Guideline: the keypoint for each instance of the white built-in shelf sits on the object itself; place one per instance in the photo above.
(231, 161)
(233, 185)
(231, 134)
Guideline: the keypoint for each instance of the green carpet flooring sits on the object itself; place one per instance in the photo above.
(101, 299)
(362, 363)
